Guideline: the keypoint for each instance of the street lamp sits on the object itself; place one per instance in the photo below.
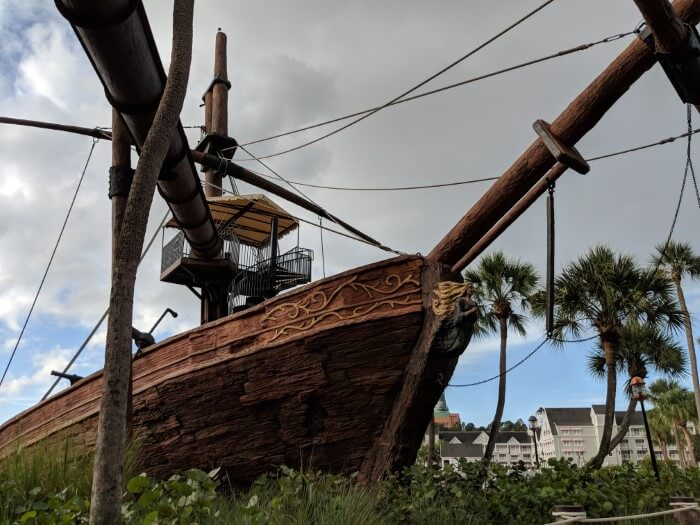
(533, 426)
(638, 393)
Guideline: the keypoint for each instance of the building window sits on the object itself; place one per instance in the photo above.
(638, 441)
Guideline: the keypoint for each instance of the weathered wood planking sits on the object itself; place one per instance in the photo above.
(308, 378)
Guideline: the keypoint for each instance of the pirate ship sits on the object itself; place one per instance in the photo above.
(341, 373)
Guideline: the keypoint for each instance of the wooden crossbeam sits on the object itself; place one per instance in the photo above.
(584, 112)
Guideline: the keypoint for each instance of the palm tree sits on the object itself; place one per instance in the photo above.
(503, 288)
(677, 404)
(641, 347)
(602, 290)
(679, 260)
(661, 430)
(107, 480)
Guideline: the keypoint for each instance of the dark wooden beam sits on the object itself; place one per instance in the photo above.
(572, 124)
(669, 32)
(239, 172)
(88, 132)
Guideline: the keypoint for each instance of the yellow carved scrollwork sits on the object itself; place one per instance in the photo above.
(320, 305)
(446, 294)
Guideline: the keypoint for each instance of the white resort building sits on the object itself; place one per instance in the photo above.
(571, 433)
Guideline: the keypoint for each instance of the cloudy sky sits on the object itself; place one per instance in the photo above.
(296, 63)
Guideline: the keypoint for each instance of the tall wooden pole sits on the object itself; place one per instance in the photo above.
(120, 181)
(215, 299)
(120, 177)
(571, 125)
(216, 105)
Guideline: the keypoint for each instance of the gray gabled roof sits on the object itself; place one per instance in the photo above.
(461, 450)
(466, 436)
(569, 417)
(619, 415)
(521, 436)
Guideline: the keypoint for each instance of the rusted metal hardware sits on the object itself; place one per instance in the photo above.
(217, 144)
(73, 378)
(568, 156)
(117, 38)
(682, 67)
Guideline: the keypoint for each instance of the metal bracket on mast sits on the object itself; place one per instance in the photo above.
(682, 67)
(568, 156)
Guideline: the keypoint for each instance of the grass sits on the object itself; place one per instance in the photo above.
(52, 485)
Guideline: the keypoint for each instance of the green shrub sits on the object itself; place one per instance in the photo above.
(53, 487)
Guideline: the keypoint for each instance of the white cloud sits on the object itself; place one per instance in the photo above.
(39, 377)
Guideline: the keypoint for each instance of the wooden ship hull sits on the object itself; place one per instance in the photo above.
(339, 375)
(335, 375)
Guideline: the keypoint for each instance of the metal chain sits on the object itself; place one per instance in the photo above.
(688, 168)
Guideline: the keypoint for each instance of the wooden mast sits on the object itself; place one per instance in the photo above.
(216, 110)
(571, 125)
(215, 298)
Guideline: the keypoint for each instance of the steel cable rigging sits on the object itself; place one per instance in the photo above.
(661, 142)
(689, 169)
(106, 312)
(528, 356)
(419, 85)
(48, 265)
(368, 112)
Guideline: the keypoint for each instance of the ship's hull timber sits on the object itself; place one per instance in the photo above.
(337, 375)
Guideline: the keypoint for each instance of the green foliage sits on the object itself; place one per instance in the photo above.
(187, 498)
(293, 497)
(470, 493)
(518, 496)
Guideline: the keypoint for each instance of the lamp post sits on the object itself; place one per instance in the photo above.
(639, 393)
(533, 426)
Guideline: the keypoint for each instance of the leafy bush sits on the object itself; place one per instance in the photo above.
(54, 488)
(188, 498)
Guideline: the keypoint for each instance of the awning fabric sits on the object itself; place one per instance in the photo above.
(252, 217)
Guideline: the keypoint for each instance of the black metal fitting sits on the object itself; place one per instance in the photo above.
(73, 378)
(214, 81)
(682, 67)
(120, 179)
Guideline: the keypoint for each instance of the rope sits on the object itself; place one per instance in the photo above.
(48, 266)
(661, 142)
(685, 508)
(528, 356)
(558, 54)
(417, 86)
(106, 312)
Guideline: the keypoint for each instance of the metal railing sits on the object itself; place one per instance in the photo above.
(178, 247)
(262, 279)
